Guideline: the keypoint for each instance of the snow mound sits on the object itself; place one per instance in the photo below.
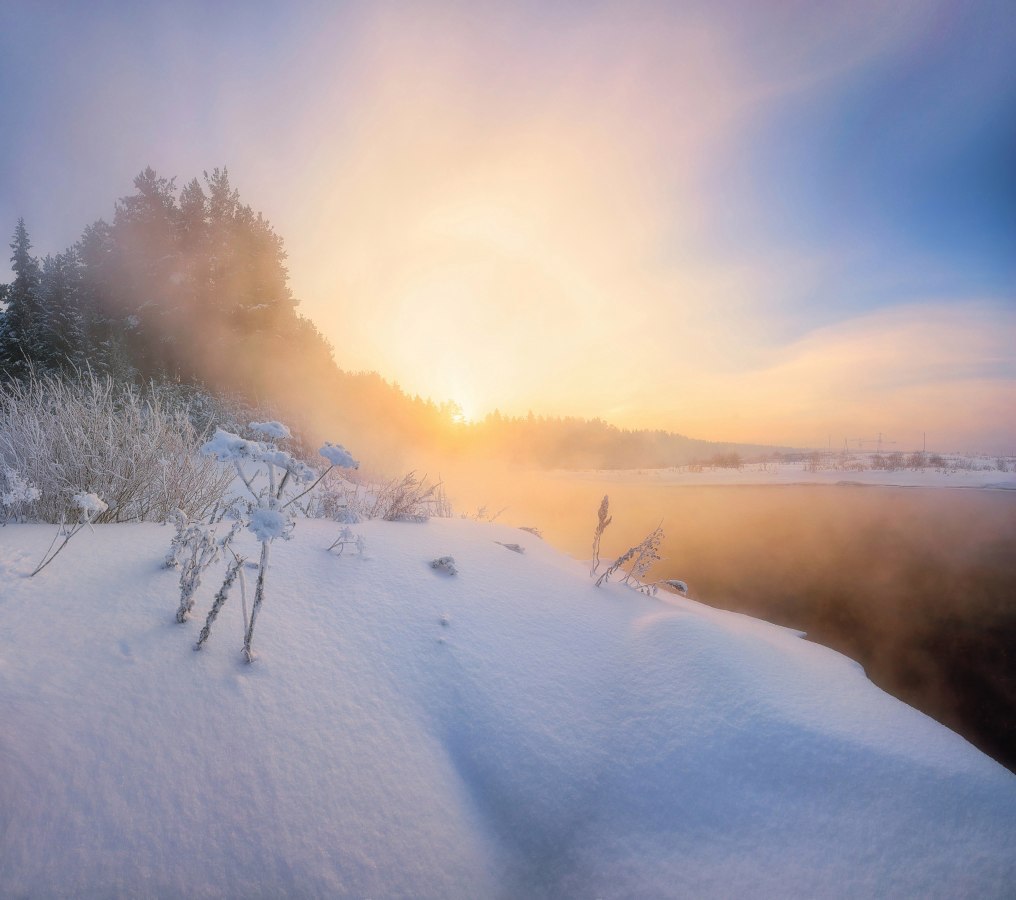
(510, 732)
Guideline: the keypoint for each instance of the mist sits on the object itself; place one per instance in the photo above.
(914, 584)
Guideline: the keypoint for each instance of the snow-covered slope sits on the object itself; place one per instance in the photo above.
(507, 732)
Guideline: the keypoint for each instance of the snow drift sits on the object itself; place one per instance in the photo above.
(509, 731)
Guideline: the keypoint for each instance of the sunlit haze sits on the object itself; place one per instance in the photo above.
(766, 222)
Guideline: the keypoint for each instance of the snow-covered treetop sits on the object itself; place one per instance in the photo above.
(338, 455)
(271, 429)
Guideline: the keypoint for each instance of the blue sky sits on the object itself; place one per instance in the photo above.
(810, 207)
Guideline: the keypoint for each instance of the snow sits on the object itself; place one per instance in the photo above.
(298, 469)
(510, 732)
(338, 455)
(266, 523)
(273, 429)
(20, 491)
(979, 476)
(228, 447)
(90, 504)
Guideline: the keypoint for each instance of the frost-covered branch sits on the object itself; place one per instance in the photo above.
(338, 457)
(90, 506)
(220, 599)
(195, 547)
(346, 538)
(601, 526)
(259, 596)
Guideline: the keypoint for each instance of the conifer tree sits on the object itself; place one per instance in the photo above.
(105, 341)
(62, 331)
(147, 271)
(21, 337)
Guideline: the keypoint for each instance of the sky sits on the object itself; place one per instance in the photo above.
(773, 222)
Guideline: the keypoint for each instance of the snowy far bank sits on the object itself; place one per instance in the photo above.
(965, 472)
(509, 731)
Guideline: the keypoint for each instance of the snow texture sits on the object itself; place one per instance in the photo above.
(513, 732)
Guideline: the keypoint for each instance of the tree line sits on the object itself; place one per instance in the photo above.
(191, 286)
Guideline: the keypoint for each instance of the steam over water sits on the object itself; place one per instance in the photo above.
(918, 585)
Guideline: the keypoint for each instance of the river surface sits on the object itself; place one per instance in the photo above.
(916, 584)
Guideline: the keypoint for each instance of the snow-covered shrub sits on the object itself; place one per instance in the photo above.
(119, 442)
(16, 494)
(917, 460)
(515, 548)
(406, 499)
(267, 514)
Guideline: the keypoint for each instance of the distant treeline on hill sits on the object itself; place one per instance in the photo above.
(191, 287)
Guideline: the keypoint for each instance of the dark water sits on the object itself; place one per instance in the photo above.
(916, 584)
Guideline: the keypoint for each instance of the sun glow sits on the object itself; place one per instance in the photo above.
(561, 244)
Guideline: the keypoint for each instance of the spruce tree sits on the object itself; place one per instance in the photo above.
(147, 272)
(62, 332)
(104, 340)
(21, 340)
